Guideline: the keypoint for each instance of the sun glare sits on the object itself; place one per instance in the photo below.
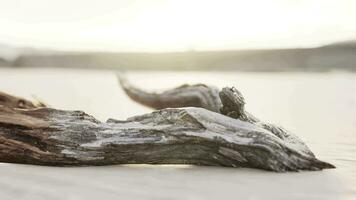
(179, 25)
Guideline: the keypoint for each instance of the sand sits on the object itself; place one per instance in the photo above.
(318, 107)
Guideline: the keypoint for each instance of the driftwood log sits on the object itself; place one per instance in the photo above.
(215, 130)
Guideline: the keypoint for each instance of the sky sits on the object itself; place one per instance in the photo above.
(176, 25)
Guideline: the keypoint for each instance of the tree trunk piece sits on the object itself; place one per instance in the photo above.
(198, 136)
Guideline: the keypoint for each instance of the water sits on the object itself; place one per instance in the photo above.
(318, 107)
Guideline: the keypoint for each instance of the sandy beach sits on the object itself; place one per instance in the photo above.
(318, 107)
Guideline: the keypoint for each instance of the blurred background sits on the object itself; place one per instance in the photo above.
(293, 60)
(254, 35)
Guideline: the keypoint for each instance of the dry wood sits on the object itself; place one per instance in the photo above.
(227, 137)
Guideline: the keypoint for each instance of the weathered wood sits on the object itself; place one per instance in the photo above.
(198, 95)
(46, 136)
(230, 103)
(170, 136)
(17, 102)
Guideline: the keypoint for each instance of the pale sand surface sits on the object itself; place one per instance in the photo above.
(318, 107)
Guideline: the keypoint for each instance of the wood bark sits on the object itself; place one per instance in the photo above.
(198, 135)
